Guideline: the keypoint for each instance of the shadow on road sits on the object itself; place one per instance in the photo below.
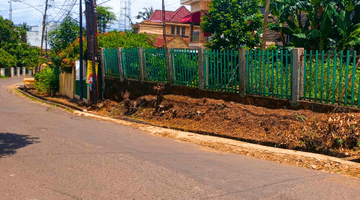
(10, 142)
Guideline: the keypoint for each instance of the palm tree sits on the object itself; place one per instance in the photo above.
(146, 14)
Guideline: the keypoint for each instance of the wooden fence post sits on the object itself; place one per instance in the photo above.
(297, 89)
(242, 72)
(102, 50)
(141, 64)
(18, 71)
(169, 66)
(12, 71)
(121, 69)
(201, 68)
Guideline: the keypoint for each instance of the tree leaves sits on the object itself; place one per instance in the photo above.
(233, 23)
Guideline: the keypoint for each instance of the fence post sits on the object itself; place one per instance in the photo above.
(169, 66)
(121, 69)
(141, 64)
(18, 71)
(12, 71)
(2, 71)
(102, 71)
(242, 72)
(206, 67)
(201, 68)
(24, 71)
(297, 88)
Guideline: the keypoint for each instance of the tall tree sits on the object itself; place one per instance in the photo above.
(233, 23)
(146, 14)
(64, 34)
(105, 18)
(266, 16)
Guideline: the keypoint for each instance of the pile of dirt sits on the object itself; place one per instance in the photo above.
(332, 134)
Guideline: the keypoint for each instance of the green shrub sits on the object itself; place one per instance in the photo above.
(47, 81)
(6, 59)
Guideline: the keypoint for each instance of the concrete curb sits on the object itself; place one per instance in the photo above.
(196, 138)
(206, 138)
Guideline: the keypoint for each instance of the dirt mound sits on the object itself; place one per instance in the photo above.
(333, 134)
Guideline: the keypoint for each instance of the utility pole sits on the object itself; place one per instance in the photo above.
(43, 28)
(10, 11)
(81, 53)
(91, 40)
(163, 19)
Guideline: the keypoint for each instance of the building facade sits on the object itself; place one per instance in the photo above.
(35, 32)
(177, 33)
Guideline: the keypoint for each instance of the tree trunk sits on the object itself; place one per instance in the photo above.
(266, 15)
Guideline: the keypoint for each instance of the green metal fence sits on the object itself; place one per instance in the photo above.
(111, 63)
(269, 73)
(331, 77)
(155, 65)
(185, 67)
(131, 67)
(221, 71)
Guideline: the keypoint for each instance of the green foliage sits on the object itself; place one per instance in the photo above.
(67, 32)
(47, 81)
(146, 14)
(115, 39)
(105, 18)
(185, 64)
(155, 65)
(15, 50)
(233, 23)
(329, 23)
(30, 57)
(6, 59)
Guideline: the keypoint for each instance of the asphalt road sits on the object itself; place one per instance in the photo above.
(50, 154)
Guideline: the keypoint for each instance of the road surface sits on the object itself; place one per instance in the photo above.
(50, 154)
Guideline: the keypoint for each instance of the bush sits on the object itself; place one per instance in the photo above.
(6, 59)
(47, 81)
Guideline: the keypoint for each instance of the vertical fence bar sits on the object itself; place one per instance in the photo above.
(334, 78)
(311, 71)
(341, 57)
(273, 73)
(287, 73)
(322, 75)
(243, 71)
(353, 79)
(347, 75)
(201, 68)
(316, 73)
(282, 74)
(305, 75)
(169, 66)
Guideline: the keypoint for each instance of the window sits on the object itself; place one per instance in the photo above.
(178, 30)
(183, 31)
(196, 36)
(172, 30)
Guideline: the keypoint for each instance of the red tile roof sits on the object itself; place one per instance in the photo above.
(170, 16)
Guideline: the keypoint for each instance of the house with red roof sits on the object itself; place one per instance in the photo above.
(177, 33)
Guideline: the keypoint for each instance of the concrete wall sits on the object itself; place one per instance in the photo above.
(67, 84)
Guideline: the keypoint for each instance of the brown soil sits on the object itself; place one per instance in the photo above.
(332, 134)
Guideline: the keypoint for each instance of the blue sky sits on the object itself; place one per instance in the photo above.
(22, 12)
